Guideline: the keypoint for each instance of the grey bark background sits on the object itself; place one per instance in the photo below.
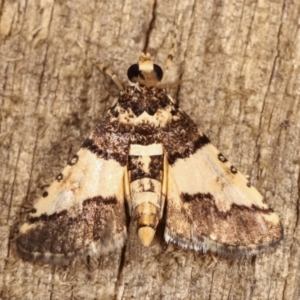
(238, 62)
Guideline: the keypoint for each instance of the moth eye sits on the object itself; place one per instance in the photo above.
(45, 194)
(158, 71)
(174, 112)
(133, 72)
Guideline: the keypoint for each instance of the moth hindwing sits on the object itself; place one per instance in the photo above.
(150, 154)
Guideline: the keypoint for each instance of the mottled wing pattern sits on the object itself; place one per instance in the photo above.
(210, 205)
(83, 210)
(149, 151)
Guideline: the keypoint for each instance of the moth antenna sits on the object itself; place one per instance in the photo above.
(170, 56)
(106, 70)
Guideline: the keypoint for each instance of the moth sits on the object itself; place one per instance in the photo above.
(148, 159)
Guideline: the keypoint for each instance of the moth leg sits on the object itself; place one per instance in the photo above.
(111, 74)
(164, 185)
(127, 190)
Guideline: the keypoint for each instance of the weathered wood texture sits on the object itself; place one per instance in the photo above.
(238, 62)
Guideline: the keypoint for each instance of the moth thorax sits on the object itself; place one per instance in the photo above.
(147, 218)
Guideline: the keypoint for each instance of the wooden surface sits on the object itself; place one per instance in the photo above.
(238, 62)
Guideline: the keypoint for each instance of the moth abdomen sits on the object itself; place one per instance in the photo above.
(145, 175)
(146, 216)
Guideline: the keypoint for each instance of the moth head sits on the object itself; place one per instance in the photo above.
(145, 71)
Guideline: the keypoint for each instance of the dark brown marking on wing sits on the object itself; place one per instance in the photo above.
(110, 139)
(102, 220)
(240, 231)
(145, 134)
(181, 152)
(181, 137)
(210, 202)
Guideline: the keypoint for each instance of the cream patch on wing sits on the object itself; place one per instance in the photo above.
(146, 118)
(164, 116)
(91, 176)
(271, 218)
(26, 227)
(149, 150)
(210, 175)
